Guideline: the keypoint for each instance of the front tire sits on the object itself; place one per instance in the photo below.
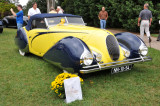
(22, 53)
(1, 29)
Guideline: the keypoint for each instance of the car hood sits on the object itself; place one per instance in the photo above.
(84, 30)
(95, 38)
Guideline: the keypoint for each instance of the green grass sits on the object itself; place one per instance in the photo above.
(26, 81)
(155, 35)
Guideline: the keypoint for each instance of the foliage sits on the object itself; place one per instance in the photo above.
(41, 4)
(155, 35)
(122, 13)
(58, 84)
(5, 7)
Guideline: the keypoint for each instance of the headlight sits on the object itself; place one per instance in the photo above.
(87, 58)
(143, 49)
(98, 56)
(126, 52)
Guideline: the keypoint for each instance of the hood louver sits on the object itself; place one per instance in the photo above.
(113, 47)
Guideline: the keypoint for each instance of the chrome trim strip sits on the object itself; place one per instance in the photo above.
(46, 22)
(66, 19)
(87, 69)
(99, 66)
(83, 20)
(115, 62)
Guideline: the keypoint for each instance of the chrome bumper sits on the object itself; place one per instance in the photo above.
(94, 68)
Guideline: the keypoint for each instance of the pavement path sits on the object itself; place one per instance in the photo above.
(154, 44)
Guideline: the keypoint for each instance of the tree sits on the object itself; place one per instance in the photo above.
(41, 5)
(5, 6)
(122, 13)
(50, 3)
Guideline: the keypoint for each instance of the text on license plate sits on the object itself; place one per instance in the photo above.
(121, 69)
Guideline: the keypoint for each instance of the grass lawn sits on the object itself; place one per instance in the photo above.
(26, 81)
(155, 35)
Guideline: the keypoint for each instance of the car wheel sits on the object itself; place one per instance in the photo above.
(22, 53)
(1, 30)
(5, 26)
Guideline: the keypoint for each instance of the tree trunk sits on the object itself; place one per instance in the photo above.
(48, 7)
(50, 3)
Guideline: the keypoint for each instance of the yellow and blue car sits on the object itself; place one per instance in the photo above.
(65, 41)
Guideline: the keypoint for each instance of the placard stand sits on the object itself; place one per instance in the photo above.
(73, 89)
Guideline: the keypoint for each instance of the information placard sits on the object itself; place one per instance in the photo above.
(73, 89)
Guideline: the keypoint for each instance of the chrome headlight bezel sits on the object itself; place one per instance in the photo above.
(126, 52)
(98, 56)
(143, 49)
(86, 57)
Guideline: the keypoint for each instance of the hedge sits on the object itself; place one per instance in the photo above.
(122, 13)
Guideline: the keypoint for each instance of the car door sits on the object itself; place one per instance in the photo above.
(40, 41)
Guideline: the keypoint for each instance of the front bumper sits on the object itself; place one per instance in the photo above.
(94, 68)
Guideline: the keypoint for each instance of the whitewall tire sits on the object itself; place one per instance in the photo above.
(21, 53)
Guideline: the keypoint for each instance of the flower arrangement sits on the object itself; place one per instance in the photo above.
(58, 84)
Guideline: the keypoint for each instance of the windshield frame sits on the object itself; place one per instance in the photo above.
(66, 23)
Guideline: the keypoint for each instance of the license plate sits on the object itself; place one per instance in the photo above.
(121, 69)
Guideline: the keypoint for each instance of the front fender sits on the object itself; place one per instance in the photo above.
(1, 23)
(130, 42)
(66, 53)
(1, 26)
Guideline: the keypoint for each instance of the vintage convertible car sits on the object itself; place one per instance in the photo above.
(64, 40)
(1, 26)
(10, 21)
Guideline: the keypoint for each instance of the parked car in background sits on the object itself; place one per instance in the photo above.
(64, 40)
(10, 21)
(1, 26)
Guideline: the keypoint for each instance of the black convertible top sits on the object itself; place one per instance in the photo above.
(46, 15)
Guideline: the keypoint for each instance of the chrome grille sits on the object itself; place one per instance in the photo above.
(113, 47)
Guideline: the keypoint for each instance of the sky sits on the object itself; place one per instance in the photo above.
(23, 2)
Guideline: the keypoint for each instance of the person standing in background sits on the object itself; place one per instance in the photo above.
(59, 10)
(146, 19)
(19, 16)
(34, 10)
(53, 11)
(103, 16)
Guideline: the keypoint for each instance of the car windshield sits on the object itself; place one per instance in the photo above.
(68, 20)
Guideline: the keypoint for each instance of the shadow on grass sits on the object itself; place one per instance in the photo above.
(54, 68)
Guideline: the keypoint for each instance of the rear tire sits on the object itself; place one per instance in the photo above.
(5, 25)
(22, 53)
